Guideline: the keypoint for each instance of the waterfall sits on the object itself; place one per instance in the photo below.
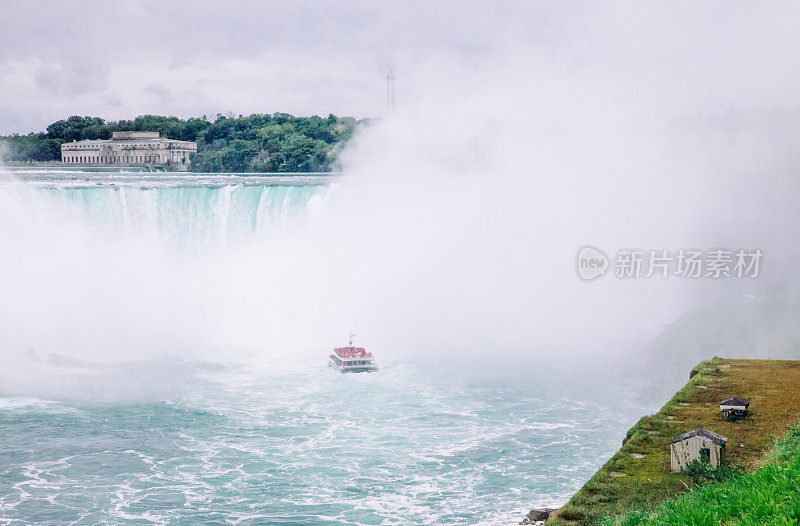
(192, 214)
(153, 268)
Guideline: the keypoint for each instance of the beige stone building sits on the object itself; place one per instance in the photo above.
(130, 148)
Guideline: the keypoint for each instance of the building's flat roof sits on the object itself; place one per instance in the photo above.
(126, 135)
(91, 142)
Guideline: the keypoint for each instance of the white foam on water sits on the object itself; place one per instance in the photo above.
(11, 403)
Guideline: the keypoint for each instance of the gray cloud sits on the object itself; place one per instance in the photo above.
(118, 60)
(71, 78)
(161, 93)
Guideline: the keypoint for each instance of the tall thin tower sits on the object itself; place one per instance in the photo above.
(390, 101)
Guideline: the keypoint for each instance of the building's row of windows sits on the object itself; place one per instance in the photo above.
(79, 146)
(115, 159)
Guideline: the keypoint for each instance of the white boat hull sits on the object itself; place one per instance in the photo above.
(353, 368)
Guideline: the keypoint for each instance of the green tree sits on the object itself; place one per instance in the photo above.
(260, 142)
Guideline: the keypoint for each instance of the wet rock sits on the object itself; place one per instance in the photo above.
(537, 516)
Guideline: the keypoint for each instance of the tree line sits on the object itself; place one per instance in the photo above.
(257, 143)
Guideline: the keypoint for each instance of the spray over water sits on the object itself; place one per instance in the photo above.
(449, 246)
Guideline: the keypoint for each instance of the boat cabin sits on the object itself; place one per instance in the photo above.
(352, 360)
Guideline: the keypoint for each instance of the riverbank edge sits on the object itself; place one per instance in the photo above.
(141, 168)
(638, 475)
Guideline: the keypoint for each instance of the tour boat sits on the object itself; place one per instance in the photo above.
(352, 359)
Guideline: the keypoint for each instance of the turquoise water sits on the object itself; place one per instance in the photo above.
(184, 440)
(301, 445)
(192, 215)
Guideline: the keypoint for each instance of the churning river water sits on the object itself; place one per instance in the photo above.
(185, 440)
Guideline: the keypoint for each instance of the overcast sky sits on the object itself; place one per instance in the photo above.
(122, 59)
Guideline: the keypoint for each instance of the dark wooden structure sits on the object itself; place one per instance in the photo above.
(734, 408)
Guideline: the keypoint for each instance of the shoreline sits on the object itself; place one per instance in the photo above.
(638, 475)
(134, 169)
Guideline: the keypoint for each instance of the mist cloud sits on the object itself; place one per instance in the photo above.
(522, 134)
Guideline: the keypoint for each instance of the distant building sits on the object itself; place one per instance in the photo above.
(698, 444)
(734, 408)
(130, 147)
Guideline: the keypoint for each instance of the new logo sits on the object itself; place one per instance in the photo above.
(592, 263)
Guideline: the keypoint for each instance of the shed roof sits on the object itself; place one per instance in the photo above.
(704, 433)
(736, 401)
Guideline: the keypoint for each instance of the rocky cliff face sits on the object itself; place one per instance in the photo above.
(537, 516)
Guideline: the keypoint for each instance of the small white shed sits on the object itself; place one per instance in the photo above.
(698, 444)
(734, 408)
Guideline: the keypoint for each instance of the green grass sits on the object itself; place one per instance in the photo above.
(769, 495)
(627, 482)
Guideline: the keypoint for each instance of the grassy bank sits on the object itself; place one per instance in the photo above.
(770, 495)
(638, 477)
